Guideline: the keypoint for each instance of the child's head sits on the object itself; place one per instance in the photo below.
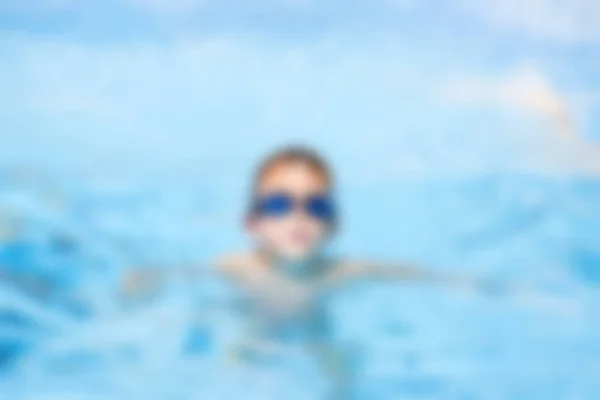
(292, 211)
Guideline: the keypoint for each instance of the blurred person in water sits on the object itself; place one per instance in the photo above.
(287, 277)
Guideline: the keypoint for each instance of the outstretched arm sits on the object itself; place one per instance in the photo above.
(146, 282)
(519, 293)
(357, 271)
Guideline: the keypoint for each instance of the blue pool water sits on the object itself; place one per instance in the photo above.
(68, 332)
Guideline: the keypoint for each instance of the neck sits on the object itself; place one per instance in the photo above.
(300, 267)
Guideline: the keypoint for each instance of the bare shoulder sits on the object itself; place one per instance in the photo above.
(343, 269)
(348, 270)
(237, 264)
(347, 266)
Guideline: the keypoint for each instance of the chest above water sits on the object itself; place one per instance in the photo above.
(279, 296)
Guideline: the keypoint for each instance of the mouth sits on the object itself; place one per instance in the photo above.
(300, 237)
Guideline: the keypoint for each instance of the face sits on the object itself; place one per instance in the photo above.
(296, 233)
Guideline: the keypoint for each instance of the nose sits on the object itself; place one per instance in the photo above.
(299, 212)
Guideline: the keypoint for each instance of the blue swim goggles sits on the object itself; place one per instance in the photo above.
(320, 207)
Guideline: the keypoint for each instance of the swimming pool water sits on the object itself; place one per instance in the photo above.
(68, 332)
